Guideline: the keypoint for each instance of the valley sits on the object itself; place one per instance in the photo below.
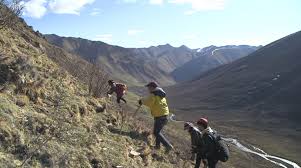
(55, 109)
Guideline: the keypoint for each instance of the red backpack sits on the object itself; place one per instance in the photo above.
(120, 88)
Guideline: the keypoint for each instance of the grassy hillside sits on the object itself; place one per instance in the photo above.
(48, 119)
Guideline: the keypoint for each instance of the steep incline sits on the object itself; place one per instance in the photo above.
(47, 118)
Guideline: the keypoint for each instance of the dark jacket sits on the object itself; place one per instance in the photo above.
(196, 140)
(159, 92)
(208, 149)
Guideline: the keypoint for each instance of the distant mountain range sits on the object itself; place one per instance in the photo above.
(164, 63)
(209, 58)
(266, 83)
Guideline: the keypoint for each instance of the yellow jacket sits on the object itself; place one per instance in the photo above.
(157, 103)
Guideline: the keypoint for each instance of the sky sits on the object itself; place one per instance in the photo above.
(144, 23)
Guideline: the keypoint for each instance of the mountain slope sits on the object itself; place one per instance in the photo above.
(209, 58)
(164, 63)
(134, 65)
(47, 118)
(266, 80)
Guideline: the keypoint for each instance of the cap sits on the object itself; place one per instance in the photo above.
(152, 84)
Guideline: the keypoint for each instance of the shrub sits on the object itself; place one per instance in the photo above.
(10, 10)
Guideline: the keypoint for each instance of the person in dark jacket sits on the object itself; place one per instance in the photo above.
(117, 88)
(196, 143)
(208, 150)
(157, 103)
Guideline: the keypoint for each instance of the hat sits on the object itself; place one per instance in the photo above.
(152, 84)
(111, 81)
(203, 121)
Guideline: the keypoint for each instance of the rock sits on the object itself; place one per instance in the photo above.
(100, 109)
(117, 166)
(22, 101)
(134, 153)
(95, 163)
(83, 110)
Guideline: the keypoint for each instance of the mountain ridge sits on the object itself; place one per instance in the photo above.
(265, 70)
(156, 63)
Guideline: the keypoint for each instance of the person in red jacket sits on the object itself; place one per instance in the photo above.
(117, 88)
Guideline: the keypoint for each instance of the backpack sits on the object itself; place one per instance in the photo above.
(222, 150)
(120, 88)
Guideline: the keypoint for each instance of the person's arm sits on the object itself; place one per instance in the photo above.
(148, 101)
(194, 142)
(111, 91)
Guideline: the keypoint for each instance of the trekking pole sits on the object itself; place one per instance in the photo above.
(122, 119)
(136, 112)
(172, 118)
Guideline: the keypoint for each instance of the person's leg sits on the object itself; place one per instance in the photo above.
(123, 99)
(118, 100)
(212, 163)
(156, 133)
(159, 125)
(198, 161)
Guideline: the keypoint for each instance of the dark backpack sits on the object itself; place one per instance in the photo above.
(222, 150)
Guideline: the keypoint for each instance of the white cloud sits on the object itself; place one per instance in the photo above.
(68, 6)
(134, 32)
(200, 5)
(35, 8)
(95, 12)
(156, 2)
(38, 8)
(108, 38)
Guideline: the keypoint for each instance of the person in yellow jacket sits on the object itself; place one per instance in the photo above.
(157, 103)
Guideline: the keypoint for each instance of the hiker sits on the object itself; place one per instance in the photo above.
(119, 89)
(213, 149)
(196, 144)
(208, 150)
(157, 103)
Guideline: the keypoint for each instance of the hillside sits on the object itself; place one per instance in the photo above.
(209, 58)
(256, 98)
(267, 79)
(139, 64)
(48, 119)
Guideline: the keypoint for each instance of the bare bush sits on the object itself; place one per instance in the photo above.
(10, 10)
(96, 80)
